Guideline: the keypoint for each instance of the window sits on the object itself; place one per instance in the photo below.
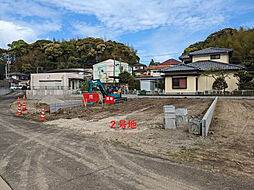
(179, 83)
(217, 56)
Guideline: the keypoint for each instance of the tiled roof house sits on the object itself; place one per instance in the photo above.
(188, 77)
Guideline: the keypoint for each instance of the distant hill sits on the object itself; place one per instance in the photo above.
(54, 54)
(241, 41)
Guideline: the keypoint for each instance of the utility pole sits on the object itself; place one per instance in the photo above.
(6, 67)
(6, 71)
(120, 65)
(114, 69)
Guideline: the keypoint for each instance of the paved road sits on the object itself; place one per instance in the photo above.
(35, 156)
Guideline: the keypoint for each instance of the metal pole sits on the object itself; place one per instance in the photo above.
(114, 69)
(120, 64)
(6, 71)
(6, 68)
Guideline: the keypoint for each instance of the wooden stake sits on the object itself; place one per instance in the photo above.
(85, 103)
(102, 101)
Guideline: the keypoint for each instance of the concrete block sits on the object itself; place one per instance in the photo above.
(195, 126)
(56, 106)
(181, 116)
(169, 117)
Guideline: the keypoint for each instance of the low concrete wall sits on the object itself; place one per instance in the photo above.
(39, 94)
(207, 119)
(56, 106)
(4, 91)
(201, 127)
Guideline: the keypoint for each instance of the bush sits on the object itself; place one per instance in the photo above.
(84, 86)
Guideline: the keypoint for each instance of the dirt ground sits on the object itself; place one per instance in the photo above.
(228, 149)
(232, 147)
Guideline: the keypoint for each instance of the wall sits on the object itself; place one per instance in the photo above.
(56, 106)
(61, 79)
(156, 73)
(191, 85)
(223, 58)
(204, 83)
(108, 70)
(38, 94)
(207, 119)
(148, 85)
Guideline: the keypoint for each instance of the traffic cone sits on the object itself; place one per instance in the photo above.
(19, 110)
(24, 97)
(24, 105)
(18, 101)
(42, 118)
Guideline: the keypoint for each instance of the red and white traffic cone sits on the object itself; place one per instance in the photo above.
(24, 105)
(19, 110)
(18, 101)
(42, 118)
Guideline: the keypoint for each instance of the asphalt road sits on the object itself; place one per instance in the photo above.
(36, 156)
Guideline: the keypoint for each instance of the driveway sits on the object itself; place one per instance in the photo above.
(36, 156)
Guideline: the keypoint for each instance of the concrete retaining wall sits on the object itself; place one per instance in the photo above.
(56, 106)
(39, 94)
(207, 119)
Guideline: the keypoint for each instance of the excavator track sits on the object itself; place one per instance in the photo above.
(120, 100)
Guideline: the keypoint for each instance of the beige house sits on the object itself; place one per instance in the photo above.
(188, 78)
(54, 84)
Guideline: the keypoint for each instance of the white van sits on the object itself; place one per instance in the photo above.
(13, 86)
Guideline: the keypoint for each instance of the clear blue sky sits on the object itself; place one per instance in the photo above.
(153, 27)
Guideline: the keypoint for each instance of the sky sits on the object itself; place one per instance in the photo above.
(158, 29)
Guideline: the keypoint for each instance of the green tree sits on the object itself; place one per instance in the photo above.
(84, 86)
(220, 84)
(219, 75)
(241, 41)
(153, 63)
(131, 83)
(73, 53)
(137, 85)
(245, 80)
(124, 77)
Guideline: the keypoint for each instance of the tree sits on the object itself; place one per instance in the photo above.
(161, 84)
(84, 86)
(220, 84)
(241, 41)
(131, 83)
(124, 77)
(245, 80)
(73, 53)
(153, 63)
(219, 75)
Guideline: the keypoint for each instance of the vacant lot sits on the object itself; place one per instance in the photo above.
(229, 149)
(232, 144)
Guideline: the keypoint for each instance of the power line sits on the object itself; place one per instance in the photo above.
(160, 54)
